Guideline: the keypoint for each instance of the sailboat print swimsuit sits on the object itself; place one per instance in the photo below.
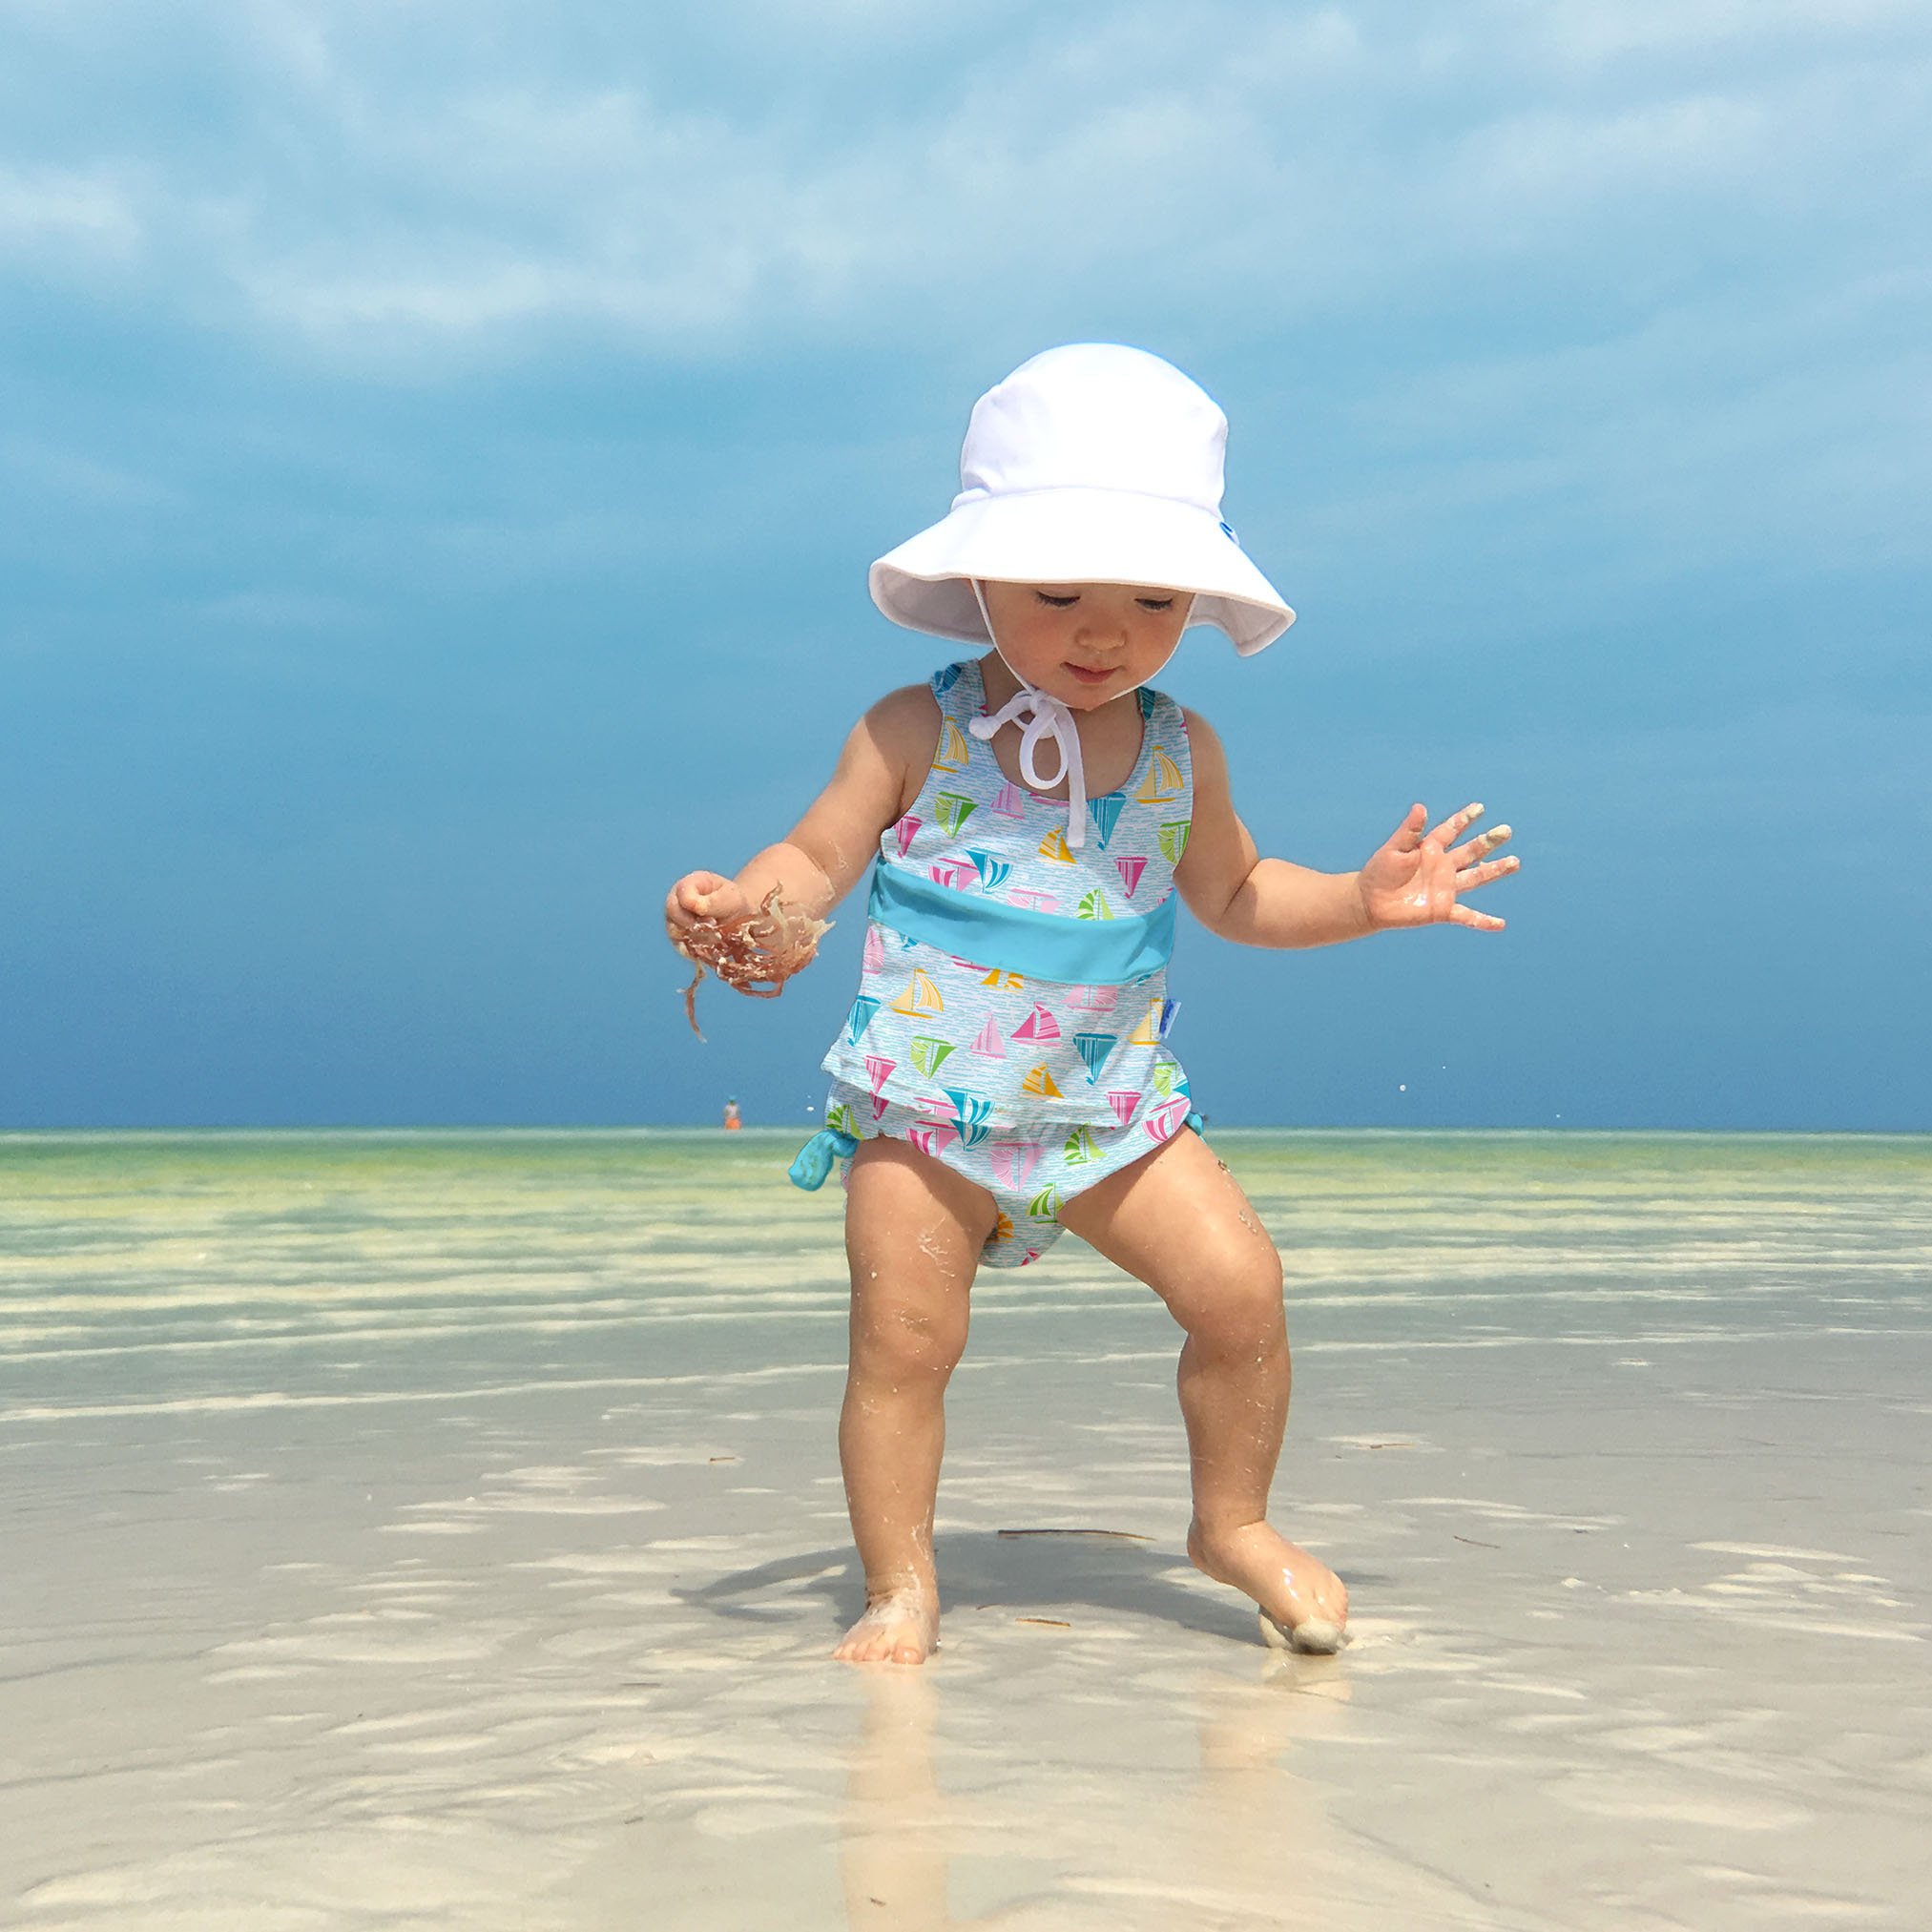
(1012, 1011)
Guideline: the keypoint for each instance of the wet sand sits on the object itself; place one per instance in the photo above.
(447, 1531)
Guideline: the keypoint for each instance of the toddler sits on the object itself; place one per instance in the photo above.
(1035, 812)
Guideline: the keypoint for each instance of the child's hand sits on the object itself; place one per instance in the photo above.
(701, 895)
(1416, 879)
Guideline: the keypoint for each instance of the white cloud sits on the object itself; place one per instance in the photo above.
(1669, 197)
(376, 201)
(47, 471)
(84, 211)
(1607, 31)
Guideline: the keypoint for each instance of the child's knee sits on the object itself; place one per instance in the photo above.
(1237, 1303)
(906, 1343)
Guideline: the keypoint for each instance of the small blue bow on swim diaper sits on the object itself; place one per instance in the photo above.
(815, 1158)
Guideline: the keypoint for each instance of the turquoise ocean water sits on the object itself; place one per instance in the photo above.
(146, 1270)
(464, 1509)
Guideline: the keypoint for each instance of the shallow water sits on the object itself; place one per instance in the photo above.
(445, 1528)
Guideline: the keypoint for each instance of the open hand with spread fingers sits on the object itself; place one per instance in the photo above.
(1420, 878)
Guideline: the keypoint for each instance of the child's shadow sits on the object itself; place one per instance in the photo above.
(1031, 1572)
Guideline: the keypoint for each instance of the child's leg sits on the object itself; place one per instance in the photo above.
(1179, 1221)
(913, 1234)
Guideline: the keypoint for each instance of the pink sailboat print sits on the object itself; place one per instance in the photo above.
(1038, 1025)
(1093, 999)
(905, 828)
(1014, 1161)
(1129, 870)
(988, 1045)
(1009, 804)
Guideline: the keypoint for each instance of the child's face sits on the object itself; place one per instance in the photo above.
(1085, 643)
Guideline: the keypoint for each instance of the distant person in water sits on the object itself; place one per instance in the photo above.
(1005, 1072)
(732, 1122)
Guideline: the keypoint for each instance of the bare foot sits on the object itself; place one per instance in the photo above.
(1303, 1601)
(898, 1629)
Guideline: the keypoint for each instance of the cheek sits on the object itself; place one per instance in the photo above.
(1041, 634)
(1159, 642)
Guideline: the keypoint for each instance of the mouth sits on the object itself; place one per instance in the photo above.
(1087, 677)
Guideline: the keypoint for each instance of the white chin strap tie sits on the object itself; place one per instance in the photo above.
(1040, 715)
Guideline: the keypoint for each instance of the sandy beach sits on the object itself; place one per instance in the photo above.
(446, 1531)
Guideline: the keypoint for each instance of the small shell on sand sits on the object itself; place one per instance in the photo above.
(1314, 1637)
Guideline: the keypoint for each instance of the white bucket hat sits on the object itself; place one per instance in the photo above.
(1092, 464)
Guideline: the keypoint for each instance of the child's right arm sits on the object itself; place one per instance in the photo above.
(877, 775)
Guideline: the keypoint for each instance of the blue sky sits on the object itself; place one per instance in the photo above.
(442, 447)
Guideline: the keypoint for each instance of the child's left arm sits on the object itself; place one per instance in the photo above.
(1418, 878)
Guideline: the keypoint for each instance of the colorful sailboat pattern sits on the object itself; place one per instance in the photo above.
(921, 995)
(953, 750)
(930, 1052)
(952, 809)
(1038, 1088)
(1163, 782)
(1094, 1048)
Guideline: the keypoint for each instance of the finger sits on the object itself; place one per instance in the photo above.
(1455, 825)
(695, 892)
(1481, 922)
(1473, 876)
(1480, 845)
(1408, 835)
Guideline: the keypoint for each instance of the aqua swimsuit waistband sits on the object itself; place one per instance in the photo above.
(1046, 946)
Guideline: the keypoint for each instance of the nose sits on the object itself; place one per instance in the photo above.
(1099, 631)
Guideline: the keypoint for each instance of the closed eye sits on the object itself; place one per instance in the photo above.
(1057, 603)
(1155, 603)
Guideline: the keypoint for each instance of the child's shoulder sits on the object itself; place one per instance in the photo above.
(904, 723)
(1197, 727)
(1205, 754)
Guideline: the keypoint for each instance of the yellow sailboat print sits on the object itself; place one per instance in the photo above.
(1145, 1034)
(1054, 846)
(1041, 1082)
(952, 753)
(921, 996)
(1163, 780)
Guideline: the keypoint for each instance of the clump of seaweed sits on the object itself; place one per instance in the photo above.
(754, 953)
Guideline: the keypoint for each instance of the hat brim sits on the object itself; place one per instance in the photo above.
(1076, 536)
